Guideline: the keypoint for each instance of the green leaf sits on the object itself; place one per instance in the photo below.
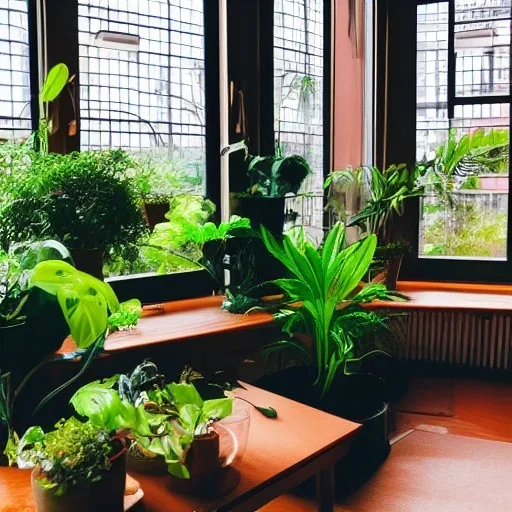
(184, 394)
(216, 409)
(55, 82)
(268, 412)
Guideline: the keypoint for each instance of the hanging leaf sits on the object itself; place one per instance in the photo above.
(55, 82)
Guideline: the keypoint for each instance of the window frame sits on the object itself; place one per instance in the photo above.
(396, 111)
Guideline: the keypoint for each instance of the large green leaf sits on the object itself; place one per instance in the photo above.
(183, 394)
(55, 82)
(85, 311)
(216, 409)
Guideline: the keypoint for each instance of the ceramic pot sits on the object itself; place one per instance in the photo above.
(107, 495)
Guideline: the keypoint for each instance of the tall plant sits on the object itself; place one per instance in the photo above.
(323, 296)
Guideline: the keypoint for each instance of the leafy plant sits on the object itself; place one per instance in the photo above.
(85, 200)
(75, 452)
(322, 297)
(126, 317)
(383, 193)
(165, 423)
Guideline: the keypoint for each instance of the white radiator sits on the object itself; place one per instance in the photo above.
(471, 339)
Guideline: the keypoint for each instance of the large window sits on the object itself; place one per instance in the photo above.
(142, 80)
(298, 98)
(15, 113)
(463, 121)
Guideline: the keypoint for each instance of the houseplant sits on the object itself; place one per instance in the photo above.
(383, 194)
(333, 336)
(44, 299)
(86, 200)
(171, 421)
(77, 466)
(269, 179)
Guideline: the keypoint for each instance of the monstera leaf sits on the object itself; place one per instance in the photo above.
(85, 301)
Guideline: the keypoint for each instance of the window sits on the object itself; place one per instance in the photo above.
(462, 127)
(298, 99)
(15, 111)
(142, 76)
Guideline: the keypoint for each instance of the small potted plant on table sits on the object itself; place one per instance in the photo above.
(78, 466)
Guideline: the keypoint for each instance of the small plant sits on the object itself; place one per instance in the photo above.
(74, 453)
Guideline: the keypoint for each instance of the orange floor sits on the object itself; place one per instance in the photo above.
(482, 409)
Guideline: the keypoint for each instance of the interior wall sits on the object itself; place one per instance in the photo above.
(348, 83)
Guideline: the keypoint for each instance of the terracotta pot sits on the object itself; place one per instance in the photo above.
(203, 463)
(89, 261)
(139, 462)
(107, 495)
(155, 213)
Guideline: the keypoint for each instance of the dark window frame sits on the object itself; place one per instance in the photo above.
(396, 111)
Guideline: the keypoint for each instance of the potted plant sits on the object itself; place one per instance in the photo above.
(42, 299)
(77, 466)
(158, 181)
(383, 196)
(333, 336)
(86, 200)
(173, 422)
(269, 180)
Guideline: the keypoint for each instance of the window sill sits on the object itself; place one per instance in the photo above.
(452, 296)
(178, 321)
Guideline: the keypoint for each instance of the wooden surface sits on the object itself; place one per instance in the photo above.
(280, 454)
(174, 322)
(299, 442)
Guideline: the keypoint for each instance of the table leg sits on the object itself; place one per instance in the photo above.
(325, 490)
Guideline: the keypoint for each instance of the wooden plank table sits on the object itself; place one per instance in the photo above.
(281, 453)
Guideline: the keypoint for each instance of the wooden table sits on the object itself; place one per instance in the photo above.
(281, 453)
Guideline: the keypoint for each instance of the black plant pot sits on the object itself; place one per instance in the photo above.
(263, 211)
(359, 398)
(155, 213)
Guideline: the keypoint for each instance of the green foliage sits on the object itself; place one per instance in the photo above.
(55, 81)
(467, 231)
(384, 194)
(239, 304)
(73, 453)
(479, 152)
(85, 200)
(276, 176)
(126, 317)
(326, 286)
(85, 300)
(166, 419)
(179, 243)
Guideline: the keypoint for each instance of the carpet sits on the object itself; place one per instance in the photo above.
(431, 472)
(435, 397)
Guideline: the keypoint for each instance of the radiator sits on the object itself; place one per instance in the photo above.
(481, 340)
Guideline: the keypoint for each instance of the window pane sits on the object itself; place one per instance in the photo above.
(15, 121)
(482, 52)
(481, 10)
(464, 213)
(142, 81)
(298, 98)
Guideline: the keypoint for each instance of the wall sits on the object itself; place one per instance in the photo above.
(348, 89)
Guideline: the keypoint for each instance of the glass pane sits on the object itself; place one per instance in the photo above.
(298, 99)
(478, 10)
(482, 58)
(15, 115)
(143, 89)
(464, 213)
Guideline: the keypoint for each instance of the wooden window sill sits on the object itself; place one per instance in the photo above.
(452, 296)
(178, 321)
